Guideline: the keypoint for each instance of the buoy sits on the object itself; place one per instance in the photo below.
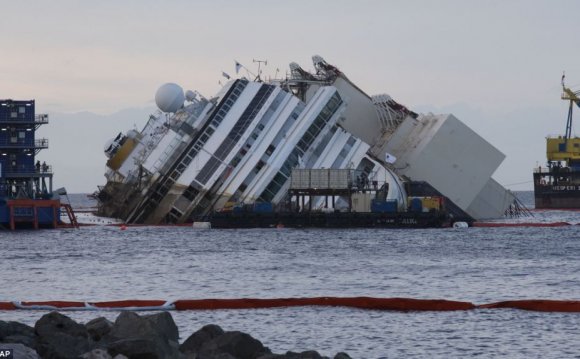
(460, 225)
(123, 227)
(202, 225)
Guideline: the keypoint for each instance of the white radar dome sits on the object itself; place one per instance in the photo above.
(169, 97)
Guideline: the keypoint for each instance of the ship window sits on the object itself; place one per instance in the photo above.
(13, 114)
(259, 165)
(270, 150)
(242, 187)
(21, 109)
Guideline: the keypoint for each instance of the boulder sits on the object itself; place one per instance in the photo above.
(14, 328)
(238, 344)
(22, 339)
(101, 354)
(58, 336)
(202, 336)
(164, 323)
(96, 354)
(142, 337)
(342, 355)
(61, 346)
(98, 328)
(20, 351)
(54, 322)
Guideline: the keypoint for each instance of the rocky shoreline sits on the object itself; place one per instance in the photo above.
(132, 336)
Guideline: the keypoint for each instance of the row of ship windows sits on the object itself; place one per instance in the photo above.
(235, 134)
(305, 142)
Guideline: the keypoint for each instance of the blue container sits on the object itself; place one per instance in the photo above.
(388, 206)
(263, 207)
(416, 205)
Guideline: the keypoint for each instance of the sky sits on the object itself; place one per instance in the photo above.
(94, 66)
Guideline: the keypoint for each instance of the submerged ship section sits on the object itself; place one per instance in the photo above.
(245, 146)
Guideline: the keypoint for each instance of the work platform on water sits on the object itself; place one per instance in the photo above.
(557, 186)
(335, 198)
(27, 199)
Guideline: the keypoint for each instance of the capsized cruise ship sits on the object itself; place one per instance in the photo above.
(200, 154)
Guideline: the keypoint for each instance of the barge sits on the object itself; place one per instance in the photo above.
(557, 186)
(324, 198)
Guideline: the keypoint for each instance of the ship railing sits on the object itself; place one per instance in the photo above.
(10, 171)
(541, 170)
(14, 142)
(41, 119)
(41, 143)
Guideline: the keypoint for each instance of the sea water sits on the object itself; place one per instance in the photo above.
(480, 265)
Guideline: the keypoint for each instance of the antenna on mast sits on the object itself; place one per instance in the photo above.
(260, 62)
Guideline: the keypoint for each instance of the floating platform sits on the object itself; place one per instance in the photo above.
(557, 188)
(30, 213)
(232, 219)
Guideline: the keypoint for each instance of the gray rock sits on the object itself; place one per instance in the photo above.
(202, 336)
(140, 337)
(58, 336)
(61, 346)
(101, 354)
(238, 344)
(20, 351)
(164, 323)
(97, 354)
(342, 355)
(22, 339)
(56, 322)
(14, 328)
(98, 328)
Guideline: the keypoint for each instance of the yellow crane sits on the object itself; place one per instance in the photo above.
(565, 148)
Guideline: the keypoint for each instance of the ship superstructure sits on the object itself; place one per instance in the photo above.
(203, 154)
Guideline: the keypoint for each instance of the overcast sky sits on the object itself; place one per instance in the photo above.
(495, 64)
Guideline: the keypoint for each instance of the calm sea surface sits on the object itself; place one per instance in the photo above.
(475, 264)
